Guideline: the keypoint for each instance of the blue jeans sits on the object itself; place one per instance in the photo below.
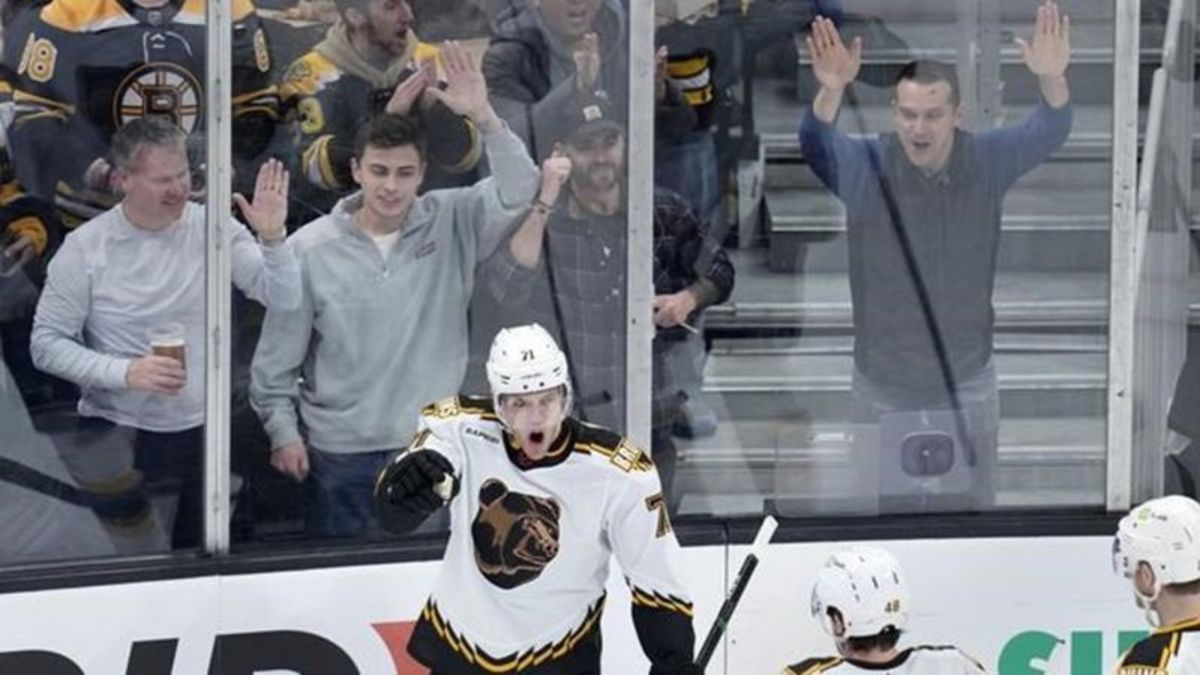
(340, 491)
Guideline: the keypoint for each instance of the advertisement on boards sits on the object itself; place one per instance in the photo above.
(1019, 606)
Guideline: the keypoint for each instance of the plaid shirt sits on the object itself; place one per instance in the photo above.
(578, 293)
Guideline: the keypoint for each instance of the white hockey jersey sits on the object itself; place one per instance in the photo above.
(1170, 650)
(521, 588)
(923, 660)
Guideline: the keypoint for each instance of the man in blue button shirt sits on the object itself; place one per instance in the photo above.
(923, 207)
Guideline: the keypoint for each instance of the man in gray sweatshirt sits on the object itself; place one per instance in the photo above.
(382, 327)
(138, 268)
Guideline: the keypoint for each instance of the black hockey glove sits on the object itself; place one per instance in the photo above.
(412, 486)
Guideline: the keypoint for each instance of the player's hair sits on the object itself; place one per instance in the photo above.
(883, 640)
(363, 6)
(344, 5)
(387, 131)
(928, 71)
(141, 132)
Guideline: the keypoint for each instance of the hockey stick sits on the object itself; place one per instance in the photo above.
(765, 532)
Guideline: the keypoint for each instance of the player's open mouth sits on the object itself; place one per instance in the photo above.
(537, 437)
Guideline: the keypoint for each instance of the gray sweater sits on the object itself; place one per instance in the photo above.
(111, 282)
(377, 338)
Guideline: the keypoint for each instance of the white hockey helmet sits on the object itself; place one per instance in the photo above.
(1165, 534)
(525, 359)
(867, 587)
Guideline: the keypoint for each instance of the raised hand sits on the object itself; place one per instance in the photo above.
(587, 63)
(834, 65)
(405, 95)
(266, 215)
(466, 91)
(556, 169)
(1048, 53)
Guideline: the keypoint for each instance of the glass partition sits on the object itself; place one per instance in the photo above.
(920, 238)
(104, 274)
(879, 281)
(419, 243)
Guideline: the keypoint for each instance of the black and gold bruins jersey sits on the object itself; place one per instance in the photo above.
(1170, 650)
(923, 660)
(85, 67)
(327, 104)
(22, 214)
(522, 585)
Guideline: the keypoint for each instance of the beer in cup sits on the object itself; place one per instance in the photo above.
(168, 340)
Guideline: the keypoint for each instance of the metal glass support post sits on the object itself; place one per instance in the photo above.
(979, 61)
(639, 294)
(1122, 300)
(218, 144)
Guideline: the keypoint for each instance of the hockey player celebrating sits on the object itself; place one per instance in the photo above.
(539, 502)
(1157, 548)
(861, 598)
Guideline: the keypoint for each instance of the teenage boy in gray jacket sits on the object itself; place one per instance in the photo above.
(382, 328)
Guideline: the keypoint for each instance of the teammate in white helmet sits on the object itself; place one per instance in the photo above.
(1157, 548)
(539, 503)
(861, 599)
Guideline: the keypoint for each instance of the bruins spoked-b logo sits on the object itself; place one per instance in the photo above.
(515, 534)
(155, 89)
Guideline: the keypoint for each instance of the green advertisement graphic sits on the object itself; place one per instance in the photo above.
(1028, 653)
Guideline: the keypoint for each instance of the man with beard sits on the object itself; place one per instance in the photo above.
(540, 503)
(923, 209)
(566, 267)
(382, 326)
(370, 62)
(545, 54)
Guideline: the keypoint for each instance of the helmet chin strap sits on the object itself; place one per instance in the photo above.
(1146, 602)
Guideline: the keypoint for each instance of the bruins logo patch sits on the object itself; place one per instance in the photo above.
(515, 534)
(164, 89)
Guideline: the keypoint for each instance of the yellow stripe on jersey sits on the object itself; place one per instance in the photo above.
(1140, 670)
(457, 405)
(317, 167)
(624, 456)
(476, 656)
(471, 157)
(655, 601)
(818, 666)
(83, 16)
(31, 228)
(308, 75)
(1171, 650)
(23, 98)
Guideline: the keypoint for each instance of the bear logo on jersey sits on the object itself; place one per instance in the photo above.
(515, 534)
